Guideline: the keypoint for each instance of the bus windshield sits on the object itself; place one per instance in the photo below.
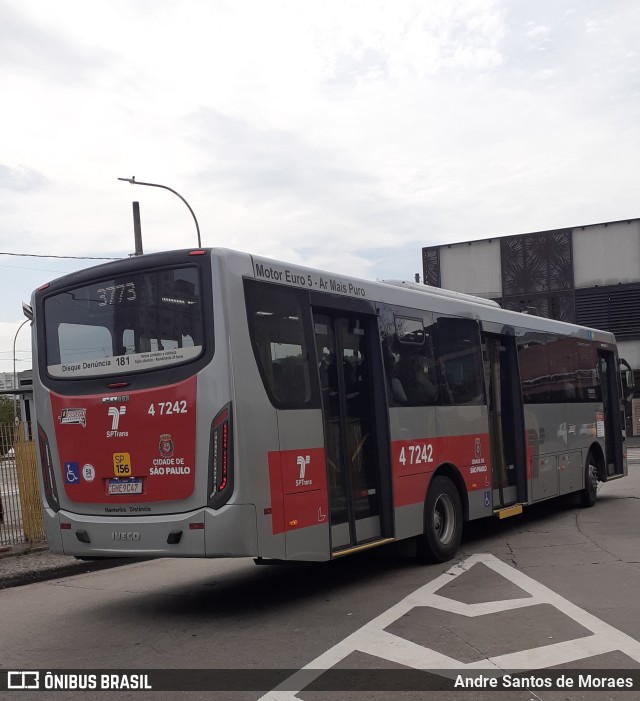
(141, 321)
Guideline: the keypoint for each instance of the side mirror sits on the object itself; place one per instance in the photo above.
(27, 311)
(626, 376)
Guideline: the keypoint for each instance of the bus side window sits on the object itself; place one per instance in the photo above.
(409, 358)
(415, 368)
(563, 365)
(535, 376)
(587, 380)
(279, 338)
(395, 393)
(459, 354)
(557, 369)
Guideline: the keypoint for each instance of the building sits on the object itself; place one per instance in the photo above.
(589, 275)
(7, 381)
(23, 393)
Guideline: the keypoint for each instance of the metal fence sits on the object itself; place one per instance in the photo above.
(21, 517)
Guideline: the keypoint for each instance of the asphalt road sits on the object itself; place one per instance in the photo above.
(557, 587)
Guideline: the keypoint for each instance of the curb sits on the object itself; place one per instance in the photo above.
(33, 576)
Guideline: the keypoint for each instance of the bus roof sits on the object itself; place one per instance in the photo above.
(401, 293)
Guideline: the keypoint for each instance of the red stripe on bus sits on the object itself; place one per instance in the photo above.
(298, 483)
(414, 461)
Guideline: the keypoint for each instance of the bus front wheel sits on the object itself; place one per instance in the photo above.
(442, 522)
(590, 492)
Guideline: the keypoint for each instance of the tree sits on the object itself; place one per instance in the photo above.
(6, 423)
(6, 409)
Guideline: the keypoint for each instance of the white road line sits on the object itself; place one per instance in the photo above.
(471, 610)
(616, 639)
(372, 638)
(548, 655)
(402, 651)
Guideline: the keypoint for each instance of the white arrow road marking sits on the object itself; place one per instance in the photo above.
(373, 639)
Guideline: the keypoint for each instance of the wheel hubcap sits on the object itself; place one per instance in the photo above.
(444, 518)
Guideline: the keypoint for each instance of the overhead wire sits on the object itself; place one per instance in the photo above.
(42, 255)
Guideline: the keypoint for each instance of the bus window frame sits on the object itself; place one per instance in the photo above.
(304, 302)
(148, 377)
(392, 343)
(446, 395)
(559, 390)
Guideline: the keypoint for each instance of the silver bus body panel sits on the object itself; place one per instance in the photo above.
(245, 526)
(560, 446)
(454, 421)
(231, 531)
(52, 529)
(407, 423)
(256, 424)
(227, 532)
(127, 537)
(409, 520)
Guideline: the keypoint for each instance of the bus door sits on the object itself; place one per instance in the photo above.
(613, 421)
(506, 421)
(355, 427)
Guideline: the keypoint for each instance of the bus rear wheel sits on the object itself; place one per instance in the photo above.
(442, 522)
(590, 492)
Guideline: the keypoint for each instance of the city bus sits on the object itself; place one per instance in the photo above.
(211, 403)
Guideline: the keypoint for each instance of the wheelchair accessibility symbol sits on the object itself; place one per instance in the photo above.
(71, 473)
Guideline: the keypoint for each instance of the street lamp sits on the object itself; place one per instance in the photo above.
(15, 376)
(133, 181)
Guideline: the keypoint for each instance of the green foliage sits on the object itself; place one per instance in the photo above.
(6, 423)
(6, 410)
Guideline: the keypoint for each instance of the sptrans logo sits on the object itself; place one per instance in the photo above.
(115, 413)
(303, 461)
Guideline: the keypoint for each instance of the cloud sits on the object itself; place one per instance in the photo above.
(373, 42)
(267, 161)
(26, 44)
(323, 200)
(537, 30)
(20, 179)
(344, 134)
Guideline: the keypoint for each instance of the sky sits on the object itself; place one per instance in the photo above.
(343, 134)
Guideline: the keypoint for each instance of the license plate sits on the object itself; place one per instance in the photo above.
(122, 464)
(125, 487)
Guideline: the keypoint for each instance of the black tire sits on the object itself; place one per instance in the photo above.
(442, 522)
(590, 492)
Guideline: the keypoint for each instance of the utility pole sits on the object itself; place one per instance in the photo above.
(15, 376)
(133, 181)
(137, 229)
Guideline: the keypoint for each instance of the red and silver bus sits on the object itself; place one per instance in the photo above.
(210, 403)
